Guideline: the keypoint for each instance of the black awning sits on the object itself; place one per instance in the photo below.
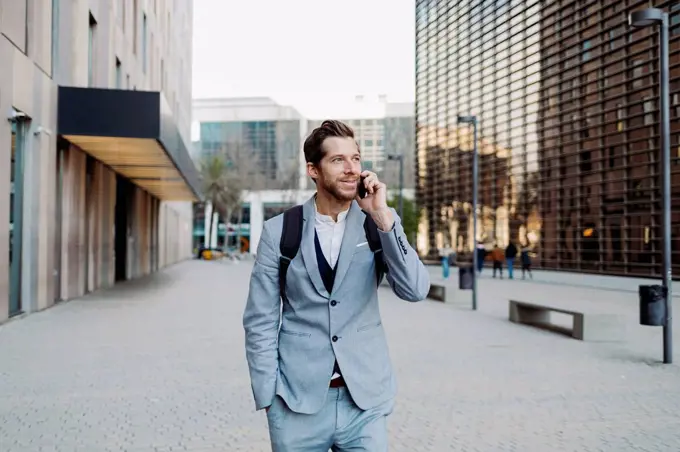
(134, 132)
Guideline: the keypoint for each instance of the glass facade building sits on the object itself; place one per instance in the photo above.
(566, 95)
(273, 147)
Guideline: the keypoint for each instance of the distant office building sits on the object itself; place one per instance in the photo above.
(566, 98)
(269, 133)
(96, 183)
(263, 136)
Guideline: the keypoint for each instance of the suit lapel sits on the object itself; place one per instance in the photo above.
(307, 247)
(354, 230)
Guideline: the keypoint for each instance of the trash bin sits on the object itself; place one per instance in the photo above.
(652, 305)
(466, 276)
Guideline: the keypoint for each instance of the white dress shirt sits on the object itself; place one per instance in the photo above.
(330, 235)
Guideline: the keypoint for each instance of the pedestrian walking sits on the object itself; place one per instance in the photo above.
(497, 257)
(510, 255)
(481, 255)
(526, 262)
(315, 345)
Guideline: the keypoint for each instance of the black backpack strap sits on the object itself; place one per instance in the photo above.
(291, 236)
(374, 243)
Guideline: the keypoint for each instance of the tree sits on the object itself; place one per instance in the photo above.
(411, 217)
(242, 174)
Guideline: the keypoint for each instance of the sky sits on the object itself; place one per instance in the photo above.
(311, 54)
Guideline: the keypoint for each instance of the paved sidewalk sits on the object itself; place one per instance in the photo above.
(158, 365)
(574, 279)
(643, 343)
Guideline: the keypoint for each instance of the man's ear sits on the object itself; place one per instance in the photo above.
(312, 171)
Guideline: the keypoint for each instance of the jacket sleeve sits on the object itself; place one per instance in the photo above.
(406, 274)
(261, 322)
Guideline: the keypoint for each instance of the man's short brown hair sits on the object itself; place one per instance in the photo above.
(313, 146)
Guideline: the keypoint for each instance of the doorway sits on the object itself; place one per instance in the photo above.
(62, 146)
(122, 226)
(90, 213)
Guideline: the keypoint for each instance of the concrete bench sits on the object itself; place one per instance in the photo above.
(437, 292)
(588, 323)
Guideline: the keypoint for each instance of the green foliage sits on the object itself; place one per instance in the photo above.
(410, 217)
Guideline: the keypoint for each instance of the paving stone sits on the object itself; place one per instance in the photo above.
(159, 365)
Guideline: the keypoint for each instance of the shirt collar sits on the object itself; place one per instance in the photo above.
(327, 218)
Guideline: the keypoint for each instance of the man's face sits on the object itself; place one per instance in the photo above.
(339, 170)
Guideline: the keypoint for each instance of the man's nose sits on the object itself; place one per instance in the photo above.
(352, 168)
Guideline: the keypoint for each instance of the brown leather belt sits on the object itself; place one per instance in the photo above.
(337, 382)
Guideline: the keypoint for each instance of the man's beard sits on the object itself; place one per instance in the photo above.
(334, 190)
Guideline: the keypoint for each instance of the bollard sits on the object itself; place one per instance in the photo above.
(445, 267)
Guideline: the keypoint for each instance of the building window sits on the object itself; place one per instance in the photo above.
(637, 73)
(586, 50)
(613, 33)
(119, 74)
(15, 16)
(620, 114)
(121, 13)
(675, 20)
(144, 34)
(135, 24)
(55, 35)
(19, 128)
(91, 51)
(586, 161)
(648, 106)
(152, 63)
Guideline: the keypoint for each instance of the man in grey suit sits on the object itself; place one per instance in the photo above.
(319, 362)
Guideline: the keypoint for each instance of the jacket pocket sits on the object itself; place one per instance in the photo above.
(369, 326)
(362, 255)
(294, 333)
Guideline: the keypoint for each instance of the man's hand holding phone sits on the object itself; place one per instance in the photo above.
(374, 200)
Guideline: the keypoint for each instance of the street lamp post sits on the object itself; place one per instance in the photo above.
(400, 157)
(473, 121)
(640, 19)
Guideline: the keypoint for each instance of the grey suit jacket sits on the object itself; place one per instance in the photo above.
(291, 348)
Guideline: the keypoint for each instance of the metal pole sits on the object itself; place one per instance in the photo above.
(664, 91)
(401, 187)
(474, 214)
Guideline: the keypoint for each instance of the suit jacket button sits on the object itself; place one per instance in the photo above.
(333, 302)
(335, 338)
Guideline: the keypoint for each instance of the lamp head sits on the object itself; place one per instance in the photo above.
(645, 17)
(467, 119)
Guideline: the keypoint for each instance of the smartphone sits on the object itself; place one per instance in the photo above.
(362, 188)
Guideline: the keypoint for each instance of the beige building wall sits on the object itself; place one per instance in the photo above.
(69, 217)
